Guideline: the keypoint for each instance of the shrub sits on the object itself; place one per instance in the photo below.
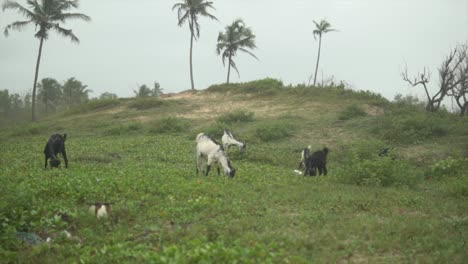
(215, 129)
(146, 103)
(380, 172)
(267, 86)
(448, 168)
(93, 106)
(236, 116)
(350, 112)
(273, 131)
(170, 125)
(411, 127)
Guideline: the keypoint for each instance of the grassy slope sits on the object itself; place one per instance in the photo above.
(164, 212)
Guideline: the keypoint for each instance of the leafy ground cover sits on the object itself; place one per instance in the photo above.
(408, 207)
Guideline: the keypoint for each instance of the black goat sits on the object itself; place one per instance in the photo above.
(384, 152)
(317, 160)
(54, 146)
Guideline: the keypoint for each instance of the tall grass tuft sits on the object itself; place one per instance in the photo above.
(350, 112)
(273, 131)
(93, 106)
(170, 125)
(236, 117)
(146, 103)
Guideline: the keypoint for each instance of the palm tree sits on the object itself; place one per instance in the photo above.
(237, 37)
(50, 92)
(75, 92)
(322, 28)
(189, 11)
(45, 15)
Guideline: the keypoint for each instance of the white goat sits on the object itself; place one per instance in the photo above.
(213, 153)
(229, 140)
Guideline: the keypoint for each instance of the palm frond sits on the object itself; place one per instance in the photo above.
(18, 26)
(234, 66)
(65, 5)
(71, 16)
(21, 9)
(66, 33)
(249, 52)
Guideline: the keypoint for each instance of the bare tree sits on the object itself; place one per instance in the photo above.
(452, 80)
(459, 90)
(423, 79)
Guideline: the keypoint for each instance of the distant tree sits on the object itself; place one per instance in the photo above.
(50, 92)
(145, 91)
(157, 90)
(320, 29)
(75, 92)
(237, 37)
(16, 104)
(5, 102)
(459, 85)
(27, 101)
(453, 76)
(108, 96)
(189, 11)
(44, 15)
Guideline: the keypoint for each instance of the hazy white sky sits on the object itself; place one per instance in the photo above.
(130, 42)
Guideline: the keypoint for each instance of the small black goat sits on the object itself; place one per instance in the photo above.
(317, 160)
(384, 152)
(54, 146)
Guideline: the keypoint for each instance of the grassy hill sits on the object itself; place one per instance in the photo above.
(139, 154)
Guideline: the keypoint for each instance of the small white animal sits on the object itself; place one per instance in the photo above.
(298, 172)
(100, 209)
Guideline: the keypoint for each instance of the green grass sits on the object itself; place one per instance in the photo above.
(368, 209)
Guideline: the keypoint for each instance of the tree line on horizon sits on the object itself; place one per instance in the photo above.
(48, 15)
(51, 95)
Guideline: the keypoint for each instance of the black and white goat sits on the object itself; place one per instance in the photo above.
(317, 160)
(54, 146)
(228, 140)
(213, 153)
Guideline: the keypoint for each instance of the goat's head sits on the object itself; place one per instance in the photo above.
(232, 171)
(244, 146)
(54, 163)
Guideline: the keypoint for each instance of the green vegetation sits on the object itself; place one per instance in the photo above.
(350, 112)
(237, 117)
(170, 125)
(409, 206)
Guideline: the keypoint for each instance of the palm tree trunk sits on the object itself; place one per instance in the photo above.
(191, 65)
(35, 81)
(229, 69)
(318, 59)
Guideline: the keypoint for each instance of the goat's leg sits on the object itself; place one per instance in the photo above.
(208, 167)
(64, 154)
(219, 171)
(325, 171)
